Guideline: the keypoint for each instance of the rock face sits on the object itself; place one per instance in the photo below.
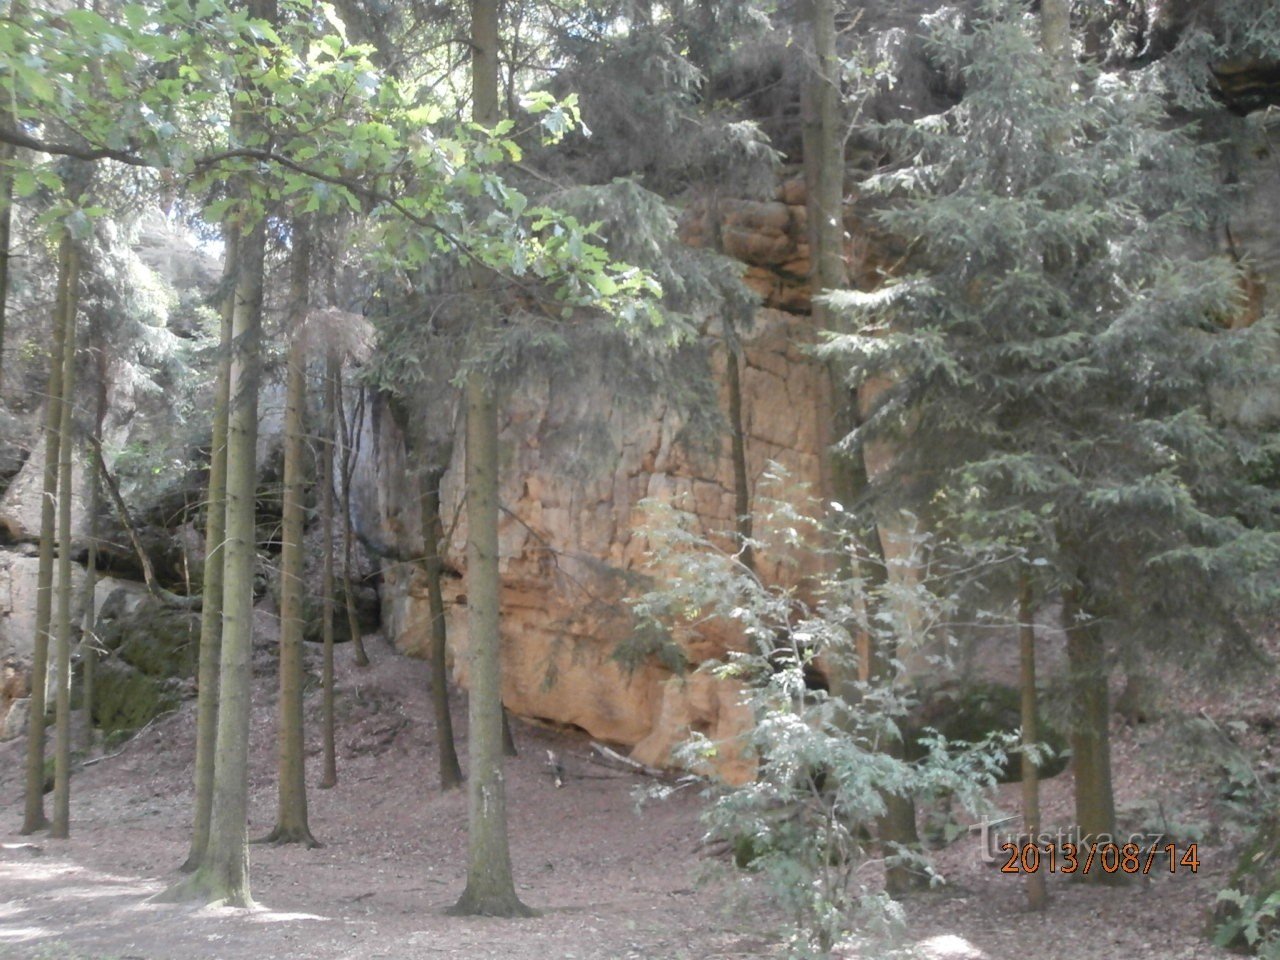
(573, 541)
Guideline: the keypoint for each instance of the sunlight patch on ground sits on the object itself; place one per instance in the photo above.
(948, 946)
(19, 934)
(279, 916)
(108, 889)
(255, 914)
(34, 872)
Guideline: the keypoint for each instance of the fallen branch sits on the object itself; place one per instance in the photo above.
(139, 732)
(609, 757)
(148, 571)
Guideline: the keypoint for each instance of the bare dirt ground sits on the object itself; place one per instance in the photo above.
(610, 883)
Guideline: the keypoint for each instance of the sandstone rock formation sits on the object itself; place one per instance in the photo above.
(573, 541)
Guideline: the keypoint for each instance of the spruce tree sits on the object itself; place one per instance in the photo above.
(1055, 354)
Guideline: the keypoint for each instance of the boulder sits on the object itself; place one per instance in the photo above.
(125, 698)
(13, 719)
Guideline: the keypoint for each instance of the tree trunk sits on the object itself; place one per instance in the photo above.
(89, 635)
(349, 435)
(1091, 722)
(432, 535)
(6, 228)
(333, 372)
(738, 449)
(212, 593)
(34, 818)
(825, 186)
(1037, 892)
(291, 810)
(1055, 34)
(223, 873)
(490, 888)
(66, 449)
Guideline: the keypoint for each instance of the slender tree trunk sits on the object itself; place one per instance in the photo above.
(348, 434)
(490, 888)
(66, 458)
(738, 449)
(825, 185)
(1037, 892)
(34, 818)
(737, 432)
(223, 873)
(88, 619)
(93, 479)
(291, 811)
(432, 535)
(1091, 723)
(212, 592)
(333, 371)
(6, 228)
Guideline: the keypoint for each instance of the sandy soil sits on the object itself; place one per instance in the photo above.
(610, 883)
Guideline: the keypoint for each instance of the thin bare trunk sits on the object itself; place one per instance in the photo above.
(1091, 721)
(348, 434)
(490, 889)
(291, 810)
(1037, 892)
(333, 371)
(432, 535)
(66, 459)
(738, 449)
(34, 818)
(211, 593)
(825, 185)
(88, 635)
(6, 228)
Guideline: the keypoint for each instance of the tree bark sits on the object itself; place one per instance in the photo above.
(738, 449)
(223, 873)
(1091, 724)
(490, 889)
(291, 809)
(349, 435)
(825, 186)
(1037, 892)
(432, 535)
(333, 372)
(66, 450)
(6, 228)
(34, 818)
(212, 592)
(93, 479)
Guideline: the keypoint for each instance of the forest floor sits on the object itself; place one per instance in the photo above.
(610, 882)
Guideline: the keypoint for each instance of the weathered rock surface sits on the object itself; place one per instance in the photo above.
(573, 542)
(152, 656)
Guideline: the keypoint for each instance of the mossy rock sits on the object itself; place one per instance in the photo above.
(975, 711)
(126, 698)
(155, 639)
